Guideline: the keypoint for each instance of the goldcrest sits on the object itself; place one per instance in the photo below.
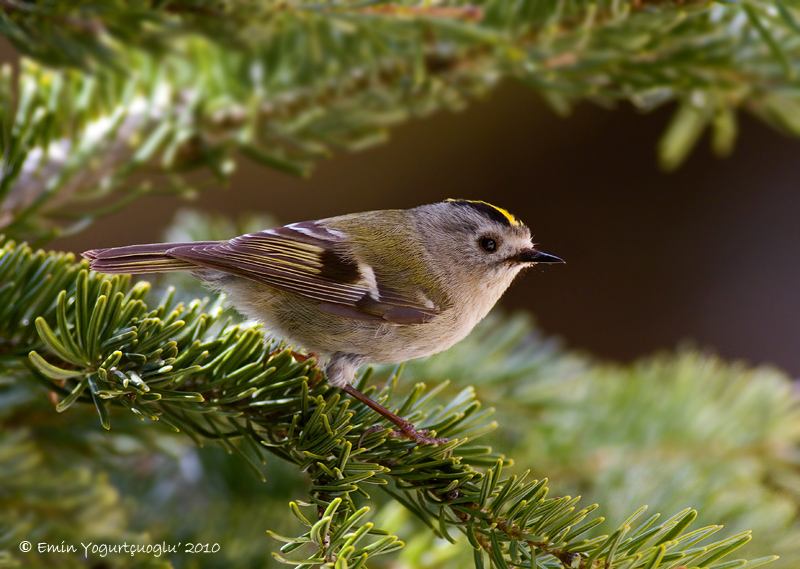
(374, 287)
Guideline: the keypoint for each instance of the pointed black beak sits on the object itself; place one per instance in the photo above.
(534, 256)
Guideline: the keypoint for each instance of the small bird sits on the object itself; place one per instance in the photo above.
(375, 287)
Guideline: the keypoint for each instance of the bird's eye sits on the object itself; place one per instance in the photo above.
(488, 244)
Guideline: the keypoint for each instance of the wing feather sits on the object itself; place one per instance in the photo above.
(307, 259)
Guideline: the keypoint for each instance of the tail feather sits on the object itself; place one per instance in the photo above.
(138, 259)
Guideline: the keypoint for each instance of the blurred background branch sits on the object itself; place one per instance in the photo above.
(108, 92)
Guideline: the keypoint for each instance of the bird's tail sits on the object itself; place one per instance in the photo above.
(136, 259)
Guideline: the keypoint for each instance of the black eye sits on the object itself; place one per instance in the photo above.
(488, 244)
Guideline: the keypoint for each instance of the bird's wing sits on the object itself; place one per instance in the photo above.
(307, 259)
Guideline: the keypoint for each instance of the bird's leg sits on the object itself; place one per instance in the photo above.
(343, 366)
(405, 428)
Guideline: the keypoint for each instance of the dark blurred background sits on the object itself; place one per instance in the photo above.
(709, 254)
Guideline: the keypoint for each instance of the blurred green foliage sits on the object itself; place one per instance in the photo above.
(117, 99)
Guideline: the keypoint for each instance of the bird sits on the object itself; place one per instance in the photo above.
(376, 287)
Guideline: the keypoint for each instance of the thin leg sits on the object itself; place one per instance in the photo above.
(406, 429)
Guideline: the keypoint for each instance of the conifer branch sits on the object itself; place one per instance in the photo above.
(99, 343)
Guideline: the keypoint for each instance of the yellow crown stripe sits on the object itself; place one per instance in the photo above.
(505, 213)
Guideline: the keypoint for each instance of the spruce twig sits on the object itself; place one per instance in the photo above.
(99, 343)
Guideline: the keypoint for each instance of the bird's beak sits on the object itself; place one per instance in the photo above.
(534, 256)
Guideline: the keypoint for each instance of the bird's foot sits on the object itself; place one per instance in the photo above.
(406, 431)
(421, 436)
